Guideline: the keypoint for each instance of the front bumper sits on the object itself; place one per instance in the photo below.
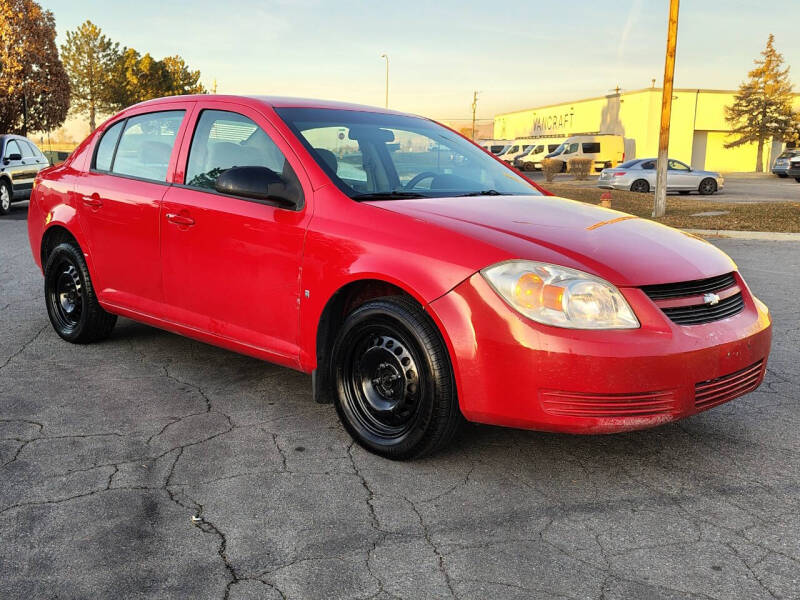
(514, 372)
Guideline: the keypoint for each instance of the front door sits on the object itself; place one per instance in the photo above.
(679, 176)
(16, 165)
(231, 265)
(119, 200)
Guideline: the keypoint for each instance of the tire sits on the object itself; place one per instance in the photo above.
(797, 179)
(394, 387)
(6, 196)
(640, 186)
(72, 305)
(707, 187)
(782, 175)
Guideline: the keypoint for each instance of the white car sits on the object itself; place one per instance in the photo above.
(639, 175)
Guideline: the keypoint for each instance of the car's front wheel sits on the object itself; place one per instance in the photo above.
(395, 392)
(72, 305)
(641, 186)
(5, 197)
(707, 187)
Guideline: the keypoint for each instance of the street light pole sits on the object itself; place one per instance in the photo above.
(386, 56)
(660, 203)
(474, 108)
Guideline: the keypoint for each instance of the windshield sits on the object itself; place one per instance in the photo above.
(789, 154)
(385, 156)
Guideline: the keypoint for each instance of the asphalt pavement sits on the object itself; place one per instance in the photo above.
(153, 466)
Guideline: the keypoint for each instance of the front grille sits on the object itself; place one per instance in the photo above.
(664, 291)
(722, 389)
(672, 299)
(577, 404)
(698, 314)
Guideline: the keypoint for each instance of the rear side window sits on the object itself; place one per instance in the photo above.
(106, 147)
(27, 152)
(650, 164)
(145, 147)
(225, 139)
(591, 147)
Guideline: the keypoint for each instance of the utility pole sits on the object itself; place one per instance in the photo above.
(660, 203)
(386, 56)
(474, 108)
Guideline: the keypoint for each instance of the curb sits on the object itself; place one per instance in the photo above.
(772, 236)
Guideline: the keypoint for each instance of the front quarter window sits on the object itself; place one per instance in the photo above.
(385, 156)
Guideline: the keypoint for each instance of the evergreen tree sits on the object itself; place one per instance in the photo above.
(762, 108)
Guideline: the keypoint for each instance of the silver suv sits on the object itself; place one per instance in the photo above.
(20, 163)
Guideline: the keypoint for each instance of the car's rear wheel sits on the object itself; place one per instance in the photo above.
(707, 187)
(641, 186)
(5, 197)
(395, 392)
(72, 305)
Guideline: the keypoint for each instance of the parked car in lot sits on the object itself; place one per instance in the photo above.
(794, 168)
(639, 175)
(605, 150)
(781, 164)
(21, 162)
(55, 157)
(418, 288)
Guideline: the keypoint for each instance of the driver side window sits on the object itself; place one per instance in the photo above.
(223, 140)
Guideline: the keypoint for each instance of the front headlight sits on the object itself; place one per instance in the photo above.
(560, 296)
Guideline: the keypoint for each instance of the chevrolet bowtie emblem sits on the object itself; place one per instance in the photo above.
(710, 299)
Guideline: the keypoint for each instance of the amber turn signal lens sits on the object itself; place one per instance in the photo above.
(531, 291)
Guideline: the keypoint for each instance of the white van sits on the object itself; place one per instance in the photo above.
(540, 148)
(519, 146)
(607, 150)
(495, 147)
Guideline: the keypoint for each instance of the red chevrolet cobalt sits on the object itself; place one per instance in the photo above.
(416, 277)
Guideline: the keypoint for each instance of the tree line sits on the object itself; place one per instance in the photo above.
(92, 75)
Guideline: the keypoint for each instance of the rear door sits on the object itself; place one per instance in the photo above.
(231, 265)
(119, 200)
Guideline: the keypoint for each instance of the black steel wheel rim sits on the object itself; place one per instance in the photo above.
(65, 295)
(381, 381)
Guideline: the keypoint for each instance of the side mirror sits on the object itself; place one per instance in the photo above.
(259, 183)
(13, 157)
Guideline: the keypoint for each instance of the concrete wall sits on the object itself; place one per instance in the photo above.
(636, 116)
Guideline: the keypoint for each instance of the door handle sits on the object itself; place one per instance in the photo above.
(93, 201)
(177, 219)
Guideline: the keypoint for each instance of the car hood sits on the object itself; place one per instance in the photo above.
(621, 248)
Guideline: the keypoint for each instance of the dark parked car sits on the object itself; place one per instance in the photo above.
(20, 164)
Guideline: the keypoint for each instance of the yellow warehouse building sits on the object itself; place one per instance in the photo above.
(698, 130)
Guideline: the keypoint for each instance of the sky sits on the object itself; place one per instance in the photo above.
(517, 54)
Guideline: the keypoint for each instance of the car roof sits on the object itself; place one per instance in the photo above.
(272, 102)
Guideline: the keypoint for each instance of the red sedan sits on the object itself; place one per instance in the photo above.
(419, 279)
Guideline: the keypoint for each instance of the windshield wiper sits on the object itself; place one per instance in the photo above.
(483, 193)
(396, 195)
